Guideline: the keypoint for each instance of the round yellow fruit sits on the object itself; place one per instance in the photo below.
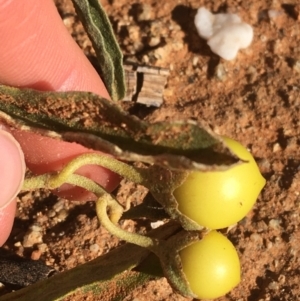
(218, 199)
(211, 266)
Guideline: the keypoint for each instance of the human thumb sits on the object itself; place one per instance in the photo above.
(12, 168)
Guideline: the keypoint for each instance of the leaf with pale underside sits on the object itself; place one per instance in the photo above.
(101, 125)
(110, 277)
(108, 52)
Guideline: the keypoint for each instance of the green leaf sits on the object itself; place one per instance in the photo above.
(109, 55)
(101, 125)
(108, 278)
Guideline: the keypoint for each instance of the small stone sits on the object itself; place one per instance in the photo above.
(281, 279)
(273, 285)
(145, 12)
(220, 72)
(296, 66)
(276, 147)
(256, 238)
(51, 213)
(42, 248)
(42, 219)
(252, 74)
(62, 215)
(261, 226)
(68, 21)
(32, 238)
(156, 28)
(36, 228)
(269, 245)
(94, 248)
(154, 41)
(275, 224)
(145, 59)
(134, 32)
(264, 165)
(35, 255)
(195, 60)
(59, 205)
(18, 244)
(157, 224)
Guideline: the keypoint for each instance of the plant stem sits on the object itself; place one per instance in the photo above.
(110, 163)
(116, 210)
(140, 240)
(86, 183)
(52, 181)
(35, 182)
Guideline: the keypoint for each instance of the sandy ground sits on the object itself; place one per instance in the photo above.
(254, 99)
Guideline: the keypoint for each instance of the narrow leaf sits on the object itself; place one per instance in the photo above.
(109, 277)
(109, 55)
(99, 124)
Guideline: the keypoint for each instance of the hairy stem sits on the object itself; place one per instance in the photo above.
(35, 182)
(110, 163)
(140, 240)
(115, 209)
(86, 183)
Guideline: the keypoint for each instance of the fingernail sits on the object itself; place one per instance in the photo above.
(12, 168)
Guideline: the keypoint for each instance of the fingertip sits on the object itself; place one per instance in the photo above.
(7, 215)
(39, 52)
(12, 168)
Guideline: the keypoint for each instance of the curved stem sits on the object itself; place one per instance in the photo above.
(115, 209)
(86, 183)
(110, 163)
(140, 240)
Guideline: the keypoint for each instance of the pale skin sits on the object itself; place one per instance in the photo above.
(39, 53)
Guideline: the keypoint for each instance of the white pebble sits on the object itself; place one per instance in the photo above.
(225, 33)
(156, 224)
